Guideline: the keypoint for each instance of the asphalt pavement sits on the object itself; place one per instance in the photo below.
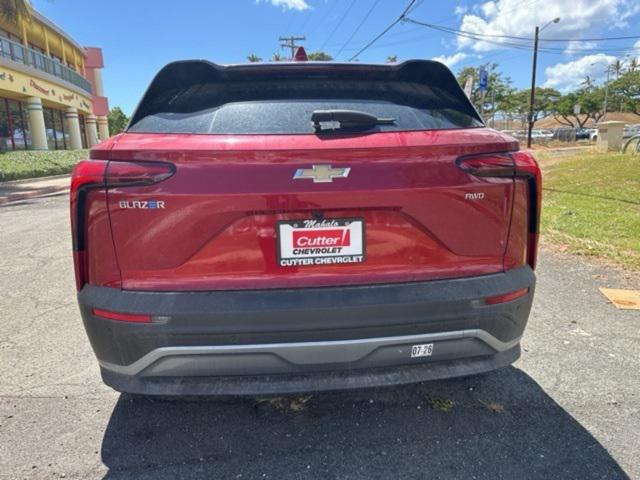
(569, 408)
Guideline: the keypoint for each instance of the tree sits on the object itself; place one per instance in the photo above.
(117, 120)
(253, 58)
(319, 56)
(276, 57)
(590, 101)
(633, 65)
(626, 90)
(392, 58)
(617, 67)
(13, 10)
(498, 88)
(545, 99)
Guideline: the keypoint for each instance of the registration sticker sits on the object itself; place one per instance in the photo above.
(425, 350)
(320, 242)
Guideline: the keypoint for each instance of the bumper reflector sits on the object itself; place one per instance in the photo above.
(122, 317)
(506, 297)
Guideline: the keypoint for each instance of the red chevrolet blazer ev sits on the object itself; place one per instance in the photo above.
(282, 227)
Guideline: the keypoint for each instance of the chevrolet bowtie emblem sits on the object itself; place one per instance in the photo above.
(321, 173)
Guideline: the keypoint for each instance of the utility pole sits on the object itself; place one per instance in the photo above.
(606, 94)
(533, 77)
(533, 85)
(290, 42)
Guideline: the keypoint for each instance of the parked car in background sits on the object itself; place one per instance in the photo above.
(583, 133)
(630, 131)
(281, 227)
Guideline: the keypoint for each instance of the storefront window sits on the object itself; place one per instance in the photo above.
(17, 125)
(5, 129)
(14, 125)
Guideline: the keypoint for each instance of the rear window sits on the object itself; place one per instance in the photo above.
(284, 105)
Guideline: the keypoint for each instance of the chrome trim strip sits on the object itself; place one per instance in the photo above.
(310, 353)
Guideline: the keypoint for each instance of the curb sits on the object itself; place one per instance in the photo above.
(15, 197)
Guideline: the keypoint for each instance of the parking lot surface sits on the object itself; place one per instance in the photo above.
(569, 408)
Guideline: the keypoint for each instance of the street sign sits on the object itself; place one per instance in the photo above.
(483, 80)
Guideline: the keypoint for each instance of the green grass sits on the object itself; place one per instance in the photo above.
(30, 164)
(591, 205)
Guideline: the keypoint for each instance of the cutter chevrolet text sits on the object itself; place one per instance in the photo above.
(284, 227)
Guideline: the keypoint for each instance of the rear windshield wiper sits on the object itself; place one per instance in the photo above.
(346, 120)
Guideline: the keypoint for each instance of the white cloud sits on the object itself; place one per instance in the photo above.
(577, 47)
(636, 46)
(450, 60)
(569, 76)
(288, 4)
(519, 18)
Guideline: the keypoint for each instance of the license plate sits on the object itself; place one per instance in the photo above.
(424, 350)
(320, 242)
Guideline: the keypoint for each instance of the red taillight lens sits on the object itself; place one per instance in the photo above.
(86, 174)
(126, 174)
(513, 165)
(122, 317)
(91, 174)
(507, 297)
(528, 169)
(492, 165)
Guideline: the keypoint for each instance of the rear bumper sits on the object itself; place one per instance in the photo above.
(277, 341)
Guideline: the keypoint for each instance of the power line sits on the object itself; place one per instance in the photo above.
(522, 43)
(393, 24)
(512, 37)
(335, 29)
(358, 27)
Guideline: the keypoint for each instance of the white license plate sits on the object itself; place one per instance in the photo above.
(424, 350)
(320, 242)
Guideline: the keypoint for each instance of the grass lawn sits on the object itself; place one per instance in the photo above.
(30, 164)
(591, 205)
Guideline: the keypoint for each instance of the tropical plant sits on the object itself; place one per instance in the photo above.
(276, 57)
(118, 120)
(392, 59)
(319, 56)
(13, 10)
(617, 68)
(626, 90)
(253, 58)
(590, 101)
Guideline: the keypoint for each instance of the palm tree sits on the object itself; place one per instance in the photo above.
(587, 83)
(276, 57)
(633, 65)
(392, 59)
(617, 67)
(253, 58)
(13, 10)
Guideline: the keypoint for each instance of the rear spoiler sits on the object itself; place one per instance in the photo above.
(187, 73)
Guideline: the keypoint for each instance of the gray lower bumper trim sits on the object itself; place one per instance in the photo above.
(301, 354)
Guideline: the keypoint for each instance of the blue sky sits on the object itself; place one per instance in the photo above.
(138, 37)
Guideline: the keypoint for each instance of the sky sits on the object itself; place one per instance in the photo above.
(138, 37)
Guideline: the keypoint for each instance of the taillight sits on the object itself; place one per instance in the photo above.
(128, 174)
(92, 174)
(528, 169)
(513, 165)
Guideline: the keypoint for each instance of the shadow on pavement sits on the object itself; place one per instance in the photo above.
(497, 425)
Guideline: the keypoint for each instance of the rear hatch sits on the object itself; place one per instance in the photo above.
(260, 199)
